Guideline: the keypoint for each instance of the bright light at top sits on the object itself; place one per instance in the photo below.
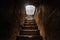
(30, 9)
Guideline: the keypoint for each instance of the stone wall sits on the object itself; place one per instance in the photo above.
(48, 22)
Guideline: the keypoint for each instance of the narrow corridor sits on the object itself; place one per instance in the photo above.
(29, 31)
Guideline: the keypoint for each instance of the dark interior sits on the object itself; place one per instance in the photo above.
(10, 18)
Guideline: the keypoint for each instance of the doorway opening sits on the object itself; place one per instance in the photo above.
(30, 10)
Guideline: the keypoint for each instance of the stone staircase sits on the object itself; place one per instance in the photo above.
(29, 31)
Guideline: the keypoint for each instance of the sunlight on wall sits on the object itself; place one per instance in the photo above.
(30, 9)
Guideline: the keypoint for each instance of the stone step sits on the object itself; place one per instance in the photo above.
(29, 32)
(29, 37)
(29, 27)
(29, 24)
(29, 18)
(30, 21)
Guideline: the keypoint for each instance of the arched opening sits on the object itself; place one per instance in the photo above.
(30, 9)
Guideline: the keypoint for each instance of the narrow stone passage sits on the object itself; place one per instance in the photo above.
(30, 30)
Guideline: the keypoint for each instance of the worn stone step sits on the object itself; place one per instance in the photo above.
(29, 18)
(29, 27)
(29, 32)
(29, 37)
(30, 21)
